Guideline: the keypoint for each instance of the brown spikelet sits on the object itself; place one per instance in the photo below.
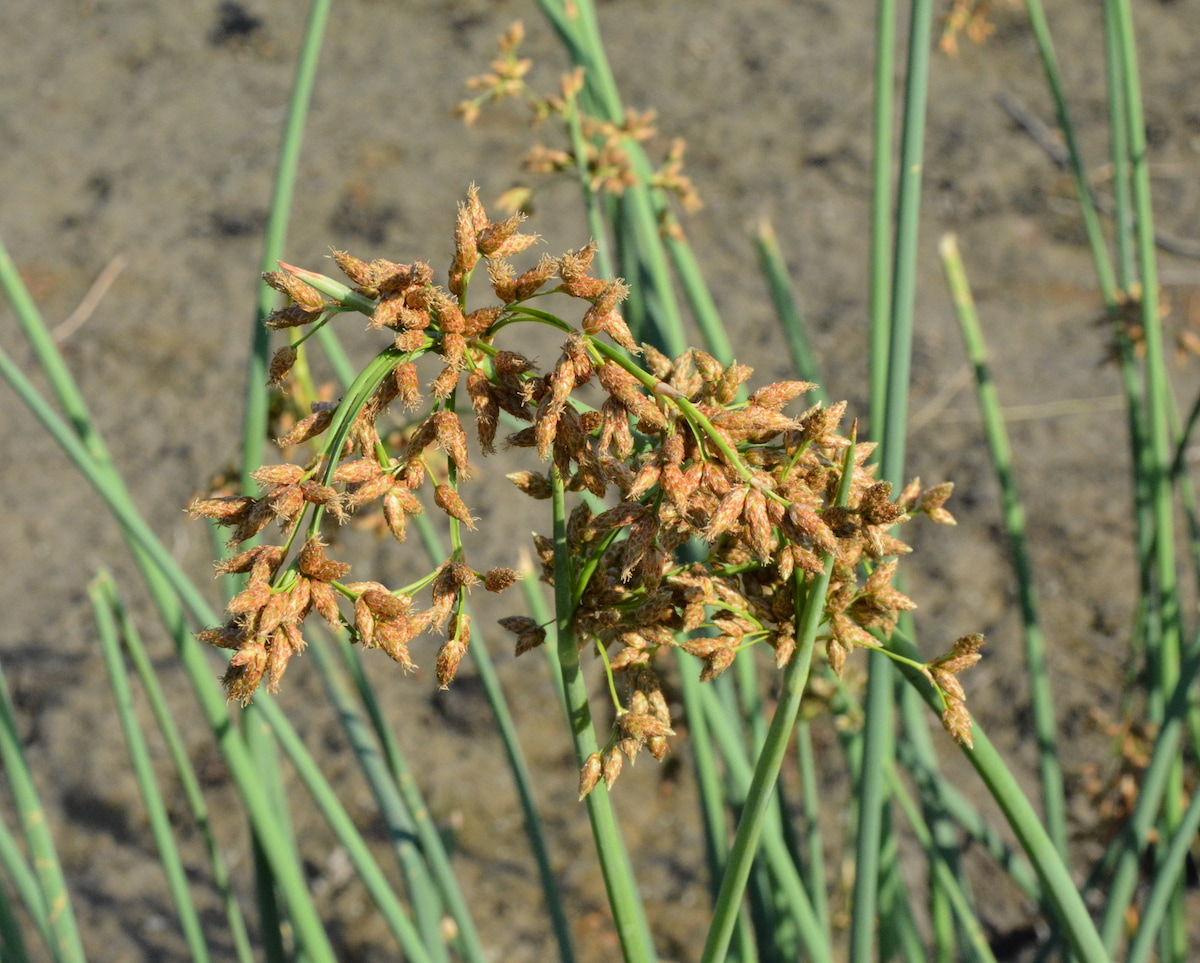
(245, 672)
(589, 775)
(728, 512)
(531, 483)
(758, 525)
(278, 474)
(450, 654)
(231, 635)
(444, 384)
(487, 409)
(368, 491)
(281, 365)
(227, 510)
(449, 501)
(357, 271)
(394, 514)
(313, 562)
(611, 766)
(573, 269)
(325, 602)
(780, 393)
(452, 439)
(306, 428)
(499, 579)
(293, 316)
(357, 472)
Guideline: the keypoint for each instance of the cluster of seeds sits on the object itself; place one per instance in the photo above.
(702, 511)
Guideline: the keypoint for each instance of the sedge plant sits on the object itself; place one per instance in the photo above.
(690, 513)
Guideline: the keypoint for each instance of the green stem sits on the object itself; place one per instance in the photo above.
(629, 915)
(809, 610)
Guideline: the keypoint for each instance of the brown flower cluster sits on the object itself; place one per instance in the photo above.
(676, 454)
(605, 145)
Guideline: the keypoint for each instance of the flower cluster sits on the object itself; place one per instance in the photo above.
(602, 147)
(703, 512)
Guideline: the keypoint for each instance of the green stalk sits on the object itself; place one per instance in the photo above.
(1061, 894)
(810, 609)
(795, 331)
(880, 261)
(105, 608)
(254, 428)
(193, 795)
(160, 571)
(785, 879)
(629, 915)
(1045, 725)
(25, 887)
(12, 943)
(1168, 878)
(1091, 220)
(889, 416)
(812, 862)
(1163, 654)
(1154, 782)
(535, 829)
(948, 880)
(59, 922)
(423, 894)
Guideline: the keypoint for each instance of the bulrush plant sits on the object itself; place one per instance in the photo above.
(704, 518)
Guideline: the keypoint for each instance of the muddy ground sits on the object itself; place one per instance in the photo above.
(141, 138)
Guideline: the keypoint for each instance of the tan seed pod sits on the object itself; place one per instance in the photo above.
(356, 472)
(250, 600)
(364, 622)
(611, 766)
(758, 525)
(227, 510)
(231, 635)
(717, 663)
(499, 579)
(306, 429)
(452, 439)
(241, 562)
(645, 479)
(281, 365)
(450, 502)
(487, 410)
(367, 492)
(357, 271)
(532, 483)
(589, 775)
(780, 393)
(313, 562)
(545, 428)
(444, 384)
(525, 438)
(325, 603)
(728, 512)
(573, 269)
(957, 721)
(293, 316)
(245, 672)
(733, 378)
(450, 654)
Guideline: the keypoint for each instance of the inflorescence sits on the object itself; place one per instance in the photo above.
(726, 507)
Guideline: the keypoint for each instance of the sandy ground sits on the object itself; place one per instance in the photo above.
(141, 137)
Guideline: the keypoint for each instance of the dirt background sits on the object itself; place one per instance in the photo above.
(146, 133)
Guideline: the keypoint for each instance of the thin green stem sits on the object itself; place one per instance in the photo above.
(1045, 725)
(809, 602)
(629, 915)
(254, 428)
